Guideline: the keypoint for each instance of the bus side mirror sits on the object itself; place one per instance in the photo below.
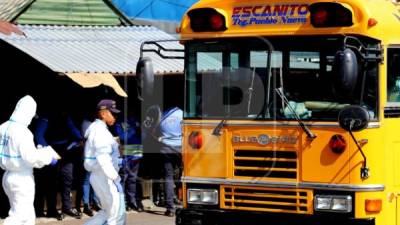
(353, 118)
(152, 117)
(345, 72)
(145, 77)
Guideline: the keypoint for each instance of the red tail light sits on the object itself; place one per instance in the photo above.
(337, 143)
(320, 17)
(217, 21)
(330, 14)
(206, 19)
(196, 140)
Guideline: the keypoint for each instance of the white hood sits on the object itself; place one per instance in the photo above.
(24, 111)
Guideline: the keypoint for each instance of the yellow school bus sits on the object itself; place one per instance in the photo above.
(292, 112)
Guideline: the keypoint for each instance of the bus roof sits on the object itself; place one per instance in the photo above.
(250, 18)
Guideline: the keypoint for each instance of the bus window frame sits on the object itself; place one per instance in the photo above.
(391, 104)
(323, 64)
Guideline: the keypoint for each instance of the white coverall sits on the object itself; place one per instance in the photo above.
(101, 159)
(18, 157)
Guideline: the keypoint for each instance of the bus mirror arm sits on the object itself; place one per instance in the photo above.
(364, 173)
(355, 118)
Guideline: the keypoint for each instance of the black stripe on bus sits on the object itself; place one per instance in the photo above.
(392, 112)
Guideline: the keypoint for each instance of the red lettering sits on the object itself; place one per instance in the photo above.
(246, 11)
(267, 11)
(293, 9)
(277, 10)
(255, 10)
(236, 10)
(280, 10)
(303, 9)
(285, 10)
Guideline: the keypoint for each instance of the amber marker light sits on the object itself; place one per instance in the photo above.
(178, 29)
(372, 22)
(373, 205)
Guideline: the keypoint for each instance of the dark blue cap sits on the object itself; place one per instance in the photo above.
(108, 104)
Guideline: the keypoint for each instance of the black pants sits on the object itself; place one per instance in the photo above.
(172, 162)
(69, 166)
(130, 182)
(46, 190)
(4, 203)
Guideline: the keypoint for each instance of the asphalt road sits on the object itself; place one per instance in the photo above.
(144, 218)
(151, 216)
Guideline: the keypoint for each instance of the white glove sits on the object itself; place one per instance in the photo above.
(117, 183)
(53, 153)
(118, 179)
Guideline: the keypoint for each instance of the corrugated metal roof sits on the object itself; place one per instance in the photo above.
(11, 8)
(70, 12)
(93, 49)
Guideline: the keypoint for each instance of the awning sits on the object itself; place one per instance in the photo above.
(94, 49)
(89, 80)
(90, 54)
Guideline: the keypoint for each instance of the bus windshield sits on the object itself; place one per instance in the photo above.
(239, 79)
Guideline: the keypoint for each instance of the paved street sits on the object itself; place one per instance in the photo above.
(151, 216)
(146, 218)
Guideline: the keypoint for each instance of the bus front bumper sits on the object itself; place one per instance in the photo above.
(220, 217)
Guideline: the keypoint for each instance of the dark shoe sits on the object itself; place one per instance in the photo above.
(73, 213)
(96, 207)
(169, 213)
(135, 207)
(58, 216)
(87, 210)
(140, 206)
(40, 214)
(177, 201)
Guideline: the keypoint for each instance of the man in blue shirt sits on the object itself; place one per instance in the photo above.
(128, 131)
(169, 133)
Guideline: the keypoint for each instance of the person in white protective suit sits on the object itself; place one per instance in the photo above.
(18, 157)
(101, 159)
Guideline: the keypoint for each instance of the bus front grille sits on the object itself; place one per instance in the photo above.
(275, 164)
(274, 200)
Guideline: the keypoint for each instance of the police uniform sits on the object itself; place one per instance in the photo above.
(170, 137)
(128, 132)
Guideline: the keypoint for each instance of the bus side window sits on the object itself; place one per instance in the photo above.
(393, 75)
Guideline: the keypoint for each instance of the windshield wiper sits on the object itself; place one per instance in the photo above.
(250, 91)
(217, 129)
(310, 135)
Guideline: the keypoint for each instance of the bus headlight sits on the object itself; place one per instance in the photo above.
(202, 196)
(333, 203)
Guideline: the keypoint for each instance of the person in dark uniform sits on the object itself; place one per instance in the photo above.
(59, 131)
(166, 132)
(45, 192)
(128, 131)
(169, 132)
